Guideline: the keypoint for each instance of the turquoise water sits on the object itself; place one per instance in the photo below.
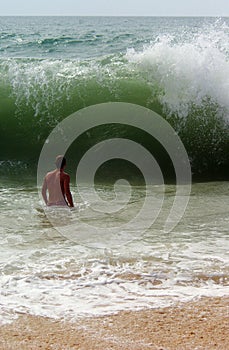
(51, 67)
(91, 37)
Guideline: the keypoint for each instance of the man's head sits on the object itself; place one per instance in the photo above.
(60, 162)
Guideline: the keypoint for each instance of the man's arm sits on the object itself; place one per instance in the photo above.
(67, 191)
(44, 191)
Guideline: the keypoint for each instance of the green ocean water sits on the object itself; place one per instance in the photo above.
(51, 67)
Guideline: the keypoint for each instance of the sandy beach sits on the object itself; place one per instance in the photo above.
(202, 324)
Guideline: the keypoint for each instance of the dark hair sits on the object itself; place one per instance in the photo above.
(60, 162)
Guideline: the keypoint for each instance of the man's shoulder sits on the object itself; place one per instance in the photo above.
(65, 175)
(50, 173)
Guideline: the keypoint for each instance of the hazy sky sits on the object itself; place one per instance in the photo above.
(116, 7)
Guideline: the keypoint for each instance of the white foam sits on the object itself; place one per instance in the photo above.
(98, 290)
(189, 72)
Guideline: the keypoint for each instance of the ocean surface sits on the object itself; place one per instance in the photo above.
(51, 67)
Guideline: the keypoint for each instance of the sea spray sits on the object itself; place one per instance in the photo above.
(185, 74)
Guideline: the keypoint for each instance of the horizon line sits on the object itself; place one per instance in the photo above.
(56, 15)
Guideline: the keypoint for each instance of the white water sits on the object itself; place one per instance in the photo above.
(43, 273)
(187, 73)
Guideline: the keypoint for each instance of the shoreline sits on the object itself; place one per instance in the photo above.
(202, 324)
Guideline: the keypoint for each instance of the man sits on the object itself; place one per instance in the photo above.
(57, 183)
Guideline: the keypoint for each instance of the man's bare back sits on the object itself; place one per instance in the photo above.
(57, 183)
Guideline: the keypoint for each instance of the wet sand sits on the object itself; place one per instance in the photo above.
(200, 325)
